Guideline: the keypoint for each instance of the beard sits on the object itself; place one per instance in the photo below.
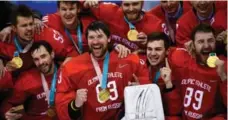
(45, 68)
(133, 18)
(102, 53)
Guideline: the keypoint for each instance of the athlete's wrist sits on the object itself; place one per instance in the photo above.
(73, 106)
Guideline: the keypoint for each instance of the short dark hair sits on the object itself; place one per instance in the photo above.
(98, 25)
(37, 44)
(21, 10)
(202, 27)
(68, 2)
(155, 36)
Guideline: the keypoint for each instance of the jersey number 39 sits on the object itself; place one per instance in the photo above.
(112, 89)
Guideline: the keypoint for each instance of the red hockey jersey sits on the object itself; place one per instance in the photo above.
(82, 75)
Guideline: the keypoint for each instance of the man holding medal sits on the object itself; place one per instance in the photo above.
(35, 88)
(201, 78)
(130, 28)
(16, 53)
(70, 22)
(169, 12)
(210, 12)
(91, 86)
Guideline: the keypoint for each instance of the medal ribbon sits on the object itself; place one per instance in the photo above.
(79, 48)
(50, 95)
(208, 18)
(167, 17)
(104, 76)
(19, 48)
(157, 75)
(131, 26)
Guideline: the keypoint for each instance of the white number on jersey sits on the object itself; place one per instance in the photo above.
(112, 89)
(57, 36)
(190, 94)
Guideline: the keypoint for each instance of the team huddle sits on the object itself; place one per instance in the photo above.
(77, 62)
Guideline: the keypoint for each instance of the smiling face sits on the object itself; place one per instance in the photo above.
(98, 43)
(68, 12)
(204, 44)
(43, 59)
(156, 52)
(132, 9)
(170, 7)
(203, 8)
(24, 28)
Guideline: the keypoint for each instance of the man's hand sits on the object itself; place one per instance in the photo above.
(166, 75)
(2, 69)
(11, 66)
(6, 34)
(122, 50)
(39, 25)
(136, 81)
(9, 115)
(91, 3)
(142, 38)
(222, 37)
(81, 97)
(190, 48)
(221, 69)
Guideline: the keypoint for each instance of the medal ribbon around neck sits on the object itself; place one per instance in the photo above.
(156, 77)
(104, 76)
(50, 95)
(79, 48)
(131, 26)
(19, 48)
(208, 18)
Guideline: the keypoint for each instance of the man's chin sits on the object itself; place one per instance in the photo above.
(131, 17)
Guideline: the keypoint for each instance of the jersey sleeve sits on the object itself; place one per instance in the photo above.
(6, 50)
(18, 96)
(182, 33)
(172, 102)
(52, 20)
(6, 81)
(139, 69)
(106, 11)
(223, 87)
(64, 95)
(56, 40)
(178, 57)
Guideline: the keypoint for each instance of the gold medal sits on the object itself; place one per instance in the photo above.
(104, 95)
(51, 112)
(17, 61)
(211, 60)
(132, 34)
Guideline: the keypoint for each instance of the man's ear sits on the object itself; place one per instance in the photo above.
(52, 54)
(14, 28)
(109, 39)
(78, 10)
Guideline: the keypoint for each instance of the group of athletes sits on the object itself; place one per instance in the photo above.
(75, 63)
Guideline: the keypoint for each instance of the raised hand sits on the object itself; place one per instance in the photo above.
(90, 3)
(166, 74)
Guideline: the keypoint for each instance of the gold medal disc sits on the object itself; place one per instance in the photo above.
(104, 95)
(51, 112)
(17, 61)
(132, 34)
(211, 61)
